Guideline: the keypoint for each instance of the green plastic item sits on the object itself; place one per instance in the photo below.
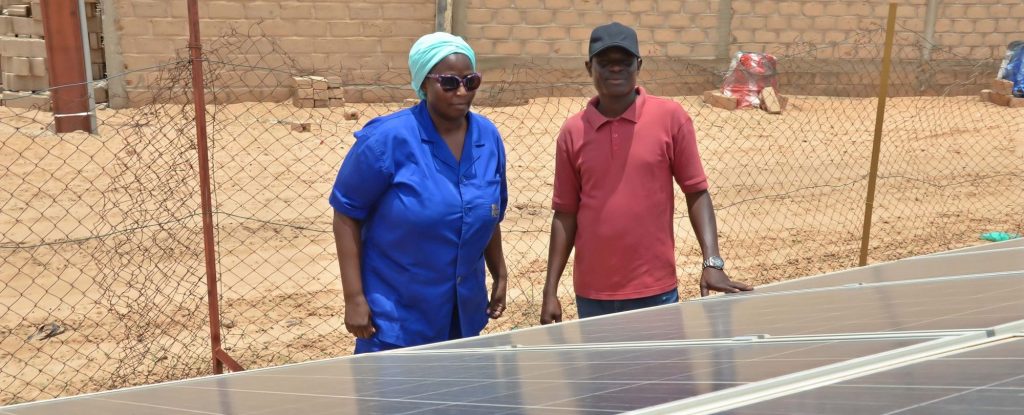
(999, 236)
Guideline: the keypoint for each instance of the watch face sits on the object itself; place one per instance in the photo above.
(716, 262)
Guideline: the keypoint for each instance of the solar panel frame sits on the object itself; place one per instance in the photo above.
(961, 265)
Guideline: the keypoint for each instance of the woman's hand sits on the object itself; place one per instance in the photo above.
(357, 318)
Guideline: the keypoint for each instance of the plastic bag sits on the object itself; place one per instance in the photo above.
(748, 74)
(999, 236)
(1012, 68)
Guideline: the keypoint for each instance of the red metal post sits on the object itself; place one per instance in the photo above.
(66, 65)
(218, 356)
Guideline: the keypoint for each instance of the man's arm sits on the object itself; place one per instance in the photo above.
(348, 241)
(702, 218)
(563, 237)
(494, 256)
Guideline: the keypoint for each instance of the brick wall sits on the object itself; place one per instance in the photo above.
(561, 27)
(355, 39)
(360, 40)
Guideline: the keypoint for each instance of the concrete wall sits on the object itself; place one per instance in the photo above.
(366, 42)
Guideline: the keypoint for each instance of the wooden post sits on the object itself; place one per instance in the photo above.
(883, 92)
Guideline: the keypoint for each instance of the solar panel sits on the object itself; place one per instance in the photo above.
(967, 263)
(1012, 243)
(594, 380)
(989, 380)
(909, 341)
(920, 305)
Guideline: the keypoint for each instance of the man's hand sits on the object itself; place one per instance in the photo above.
(551, 310)
(357, 318)
(497, 305)
(713, 279)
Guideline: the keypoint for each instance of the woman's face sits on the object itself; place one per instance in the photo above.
(450, 104)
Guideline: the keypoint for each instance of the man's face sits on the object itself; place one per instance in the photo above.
(614, 72)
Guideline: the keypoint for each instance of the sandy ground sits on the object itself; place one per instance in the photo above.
(102, 234)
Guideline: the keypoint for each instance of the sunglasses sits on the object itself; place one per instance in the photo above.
(450, 83)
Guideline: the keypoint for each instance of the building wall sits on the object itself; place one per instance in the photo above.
(361, 40)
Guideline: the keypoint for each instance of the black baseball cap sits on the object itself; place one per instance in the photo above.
(613, 34)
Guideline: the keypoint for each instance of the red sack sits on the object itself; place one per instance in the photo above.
(748, 74)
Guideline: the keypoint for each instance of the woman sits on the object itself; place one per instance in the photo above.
(417, 205)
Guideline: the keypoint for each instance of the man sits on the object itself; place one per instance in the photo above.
(613, 196)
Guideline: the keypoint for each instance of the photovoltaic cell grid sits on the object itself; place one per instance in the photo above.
(918, 305)
(494, 382)
(988, 380)
(663, 359)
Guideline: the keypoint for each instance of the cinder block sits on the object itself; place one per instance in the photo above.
(100, 94)
(303, 82)
(95, 40)
(99, 71)
(336, 93)
(23, 47)
(94, 24)
(37, 66)
(986, 95)
(770, 101)
(335, 103)
(319, 82)
(97, 56)
(300, 127)
(19, 10)
(334, 81)
(14, 82)
(1000, 99)
(302, 103)
(26, 26)
(6, 25)
(27, 100)
(1016, 103)
(350, 114)
(321, 103)
(304, 93)
(17, 65)
(1002, 86)
(716, 99)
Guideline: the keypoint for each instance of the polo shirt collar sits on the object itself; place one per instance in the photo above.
(593, 118)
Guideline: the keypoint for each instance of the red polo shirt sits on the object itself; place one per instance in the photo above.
(616, 175)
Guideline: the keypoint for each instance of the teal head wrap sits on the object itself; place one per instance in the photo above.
(431, 49)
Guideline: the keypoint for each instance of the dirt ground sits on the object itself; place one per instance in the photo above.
(102, 234)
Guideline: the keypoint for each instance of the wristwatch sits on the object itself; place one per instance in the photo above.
(715, 262)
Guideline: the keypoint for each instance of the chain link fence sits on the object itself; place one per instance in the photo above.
(102, 234)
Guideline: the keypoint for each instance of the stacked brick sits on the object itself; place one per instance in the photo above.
(318, 92)
(1002, 94)
(23, 65)
(23, 56)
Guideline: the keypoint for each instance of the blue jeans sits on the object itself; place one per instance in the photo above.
(593, 308)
